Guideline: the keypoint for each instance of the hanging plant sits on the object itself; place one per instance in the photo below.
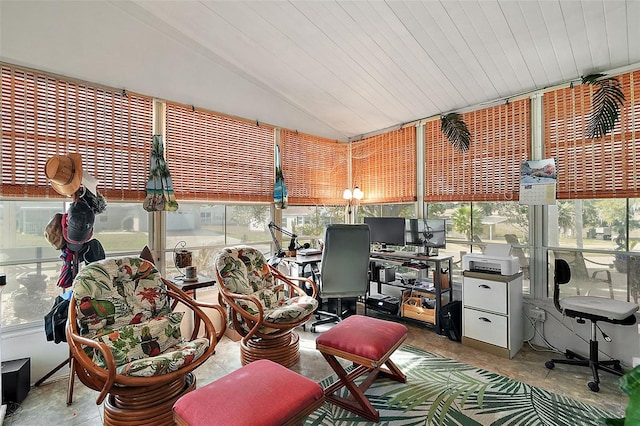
(455, 129)
(605, 105)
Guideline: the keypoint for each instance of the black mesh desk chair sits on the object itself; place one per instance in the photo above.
(593, 309)
(344, 269)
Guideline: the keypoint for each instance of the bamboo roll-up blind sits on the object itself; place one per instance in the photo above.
(490, 169)
(315, 169)
(606, 167)
(384, 167)
(213, 157)
(45, 115)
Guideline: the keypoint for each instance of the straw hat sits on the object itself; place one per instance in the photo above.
(65, 173)
(53, 232)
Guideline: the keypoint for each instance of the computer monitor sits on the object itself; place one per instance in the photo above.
(428, 233)
(386, 231)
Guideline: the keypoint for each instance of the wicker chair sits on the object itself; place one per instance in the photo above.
(264, 305)
(125, 340)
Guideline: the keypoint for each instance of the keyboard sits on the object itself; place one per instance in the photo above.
(309, 252)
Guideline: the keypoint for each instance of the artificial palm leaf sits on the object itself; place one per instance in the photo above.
(455, 129)
(605, 105)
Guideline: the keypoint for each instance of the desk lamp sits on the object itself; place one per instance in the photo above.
(292, 245)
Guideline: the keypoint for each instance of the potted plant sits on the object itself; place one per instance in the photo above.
(630, 384)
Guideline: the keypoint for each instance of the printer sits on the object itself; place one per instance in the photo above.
(495, 259)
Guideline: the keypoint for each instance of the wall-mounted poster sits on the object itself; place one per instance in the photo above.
(538, 182)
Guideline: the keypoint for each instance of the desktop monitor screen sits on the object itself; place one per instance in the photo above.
(386, 230)
(427, 232)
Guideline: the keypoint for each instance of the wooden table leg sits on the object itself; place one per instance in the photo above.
(72, 376)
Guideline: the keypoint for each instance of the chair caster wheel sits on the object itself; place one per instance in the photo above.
(617, 367)
(593, 386)
(313, 329)
(549, 365)
(568, 356)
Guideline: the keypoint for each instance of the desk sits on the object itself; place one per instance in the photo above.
(303, 261)
(414, 260)
(417, 261)
(192, 286)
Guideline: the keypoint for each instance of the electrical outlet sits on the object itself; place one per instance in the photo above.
(537, 314)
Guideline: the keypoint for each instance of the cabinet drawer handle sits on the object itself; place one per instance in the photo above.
(485, 319)
(484, 286)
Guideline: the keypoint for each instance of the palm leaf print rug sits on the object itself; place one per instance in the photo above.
(442, 391)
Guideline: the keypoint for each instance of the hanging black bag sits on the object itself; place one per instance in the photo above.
(56, 319)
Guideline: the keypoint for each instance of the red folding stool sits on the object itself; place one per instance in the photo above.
(368, 343)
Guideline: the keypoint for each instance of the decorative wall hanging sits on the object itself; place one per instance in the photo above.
(455, 130)
(160, 194)
(605, 105)
(280, 193)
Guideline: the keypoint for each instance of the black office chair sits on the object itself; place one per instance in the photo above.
(593, 309)
(344, 269)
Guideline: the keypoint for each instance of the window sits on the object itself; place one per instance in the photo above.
(308, 222)
(205, 228)
(597, 237)
(490, 169)
(470, 226)
(594, 224)
(33, 267)
(44, 115)
(315, 169)
(406, 210)
(220, 158)
(593, 168)
(384, 167)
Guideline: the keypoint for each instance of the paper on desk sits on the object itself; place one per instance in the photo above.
(497, 250)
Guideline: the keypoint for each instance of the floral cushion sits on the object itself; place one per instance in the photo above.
(123, 303)
(244, 270)
(115, 292)
(175, 358)
(144, 340)
(284, 310)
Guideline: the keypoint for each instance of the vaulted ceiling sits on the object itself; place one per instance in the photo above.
(337, 69)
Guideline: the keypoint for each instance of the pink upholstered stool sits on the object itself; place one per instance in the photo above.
(367, 342)
(259, 393)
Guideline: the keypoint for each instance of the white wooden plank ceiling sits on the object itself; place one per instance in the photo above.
(337, 69)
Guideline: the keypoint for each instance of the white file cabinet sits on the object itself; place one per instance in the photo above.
(492, 312)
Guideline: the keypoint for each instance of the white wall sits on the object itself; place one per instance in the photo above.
(567, 333)
(31, 342)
